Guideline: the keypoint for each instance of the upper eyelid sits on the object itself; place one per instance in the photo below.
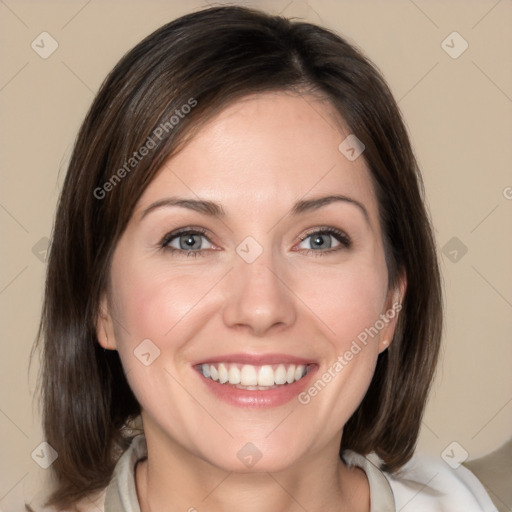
(186, 229)
(165, 242)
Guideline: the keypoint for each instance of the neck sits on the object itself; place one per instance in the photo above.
(172, 479)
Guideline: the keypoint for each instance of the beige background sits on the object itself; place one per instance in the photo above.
(459, 115)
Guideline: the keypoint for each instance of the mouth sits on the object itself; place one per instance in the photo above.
(256, 381)
(251, 377)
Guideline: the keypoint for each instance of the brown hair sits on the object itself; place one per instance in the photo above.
(207, 60)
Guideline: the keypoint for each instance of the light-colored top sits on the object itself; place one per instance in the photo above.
(424, 484)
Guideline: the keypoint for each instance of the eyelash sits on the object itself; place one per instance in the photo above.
(175, 234)
(340, 236)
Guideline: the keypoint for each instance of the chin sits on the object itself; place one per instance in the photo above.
(256, 456)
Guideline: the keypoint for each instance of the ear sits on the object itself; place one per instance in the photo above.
(389, 316)
(105, 326)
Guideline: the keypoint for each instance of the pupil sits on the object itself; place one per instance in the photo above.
(189, 242)
(319, 241)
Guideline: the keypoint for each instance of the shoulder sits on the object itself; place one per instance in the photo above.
(95, 503)
(429, 484)
(120, 488)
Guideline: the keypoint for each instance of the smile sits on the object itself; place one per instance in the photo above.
(251, 377)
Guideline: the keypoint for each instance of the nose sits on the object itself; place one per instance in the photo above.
(258, 299)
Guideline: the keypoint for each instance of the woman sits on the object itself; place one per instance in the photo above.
(242, 261)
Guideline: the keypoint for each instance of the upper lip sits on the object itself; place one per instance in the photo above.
(256, 359)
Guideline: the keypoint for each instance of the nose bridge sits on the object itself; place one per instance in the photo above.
(256, 294)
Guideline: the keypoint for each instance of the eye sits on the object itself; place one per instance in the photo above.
(325, 240)
(191, 241)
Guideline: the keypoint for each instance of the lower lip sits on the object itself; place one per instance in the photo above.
(258, 398)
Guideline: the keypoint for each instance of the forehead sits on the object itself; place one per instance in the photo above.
(266, 150)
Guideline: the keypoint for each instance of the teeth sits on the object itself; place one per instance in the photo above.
(253, 377)
(280, 375)
(205, 368)
(234, 375)
(223, 373)
(248, 376)
(266, 376)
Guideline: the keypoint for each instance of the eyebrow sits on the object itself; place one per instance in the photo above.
(202, 206)
(213, 209)
(307, 205)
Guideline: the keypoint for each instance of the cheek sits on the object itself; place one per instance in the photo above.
(160, 307)
(349, 304)
(150, 304)
(347, 301)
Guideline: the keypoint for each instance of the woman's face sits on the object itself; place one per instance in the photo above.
(254, 257)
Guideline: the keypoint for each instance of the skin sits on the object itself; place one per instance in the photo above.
(256, 159)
